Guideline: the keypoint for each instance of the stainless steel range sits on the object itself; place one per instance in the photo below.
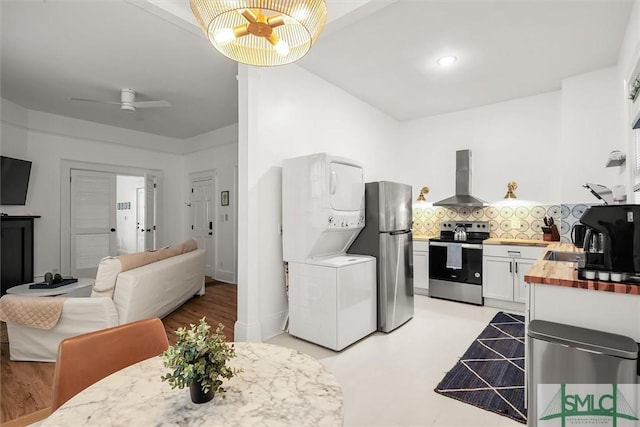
(455, 261)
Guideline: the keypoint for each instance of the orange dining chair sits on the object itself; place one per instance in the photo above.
(85, 359)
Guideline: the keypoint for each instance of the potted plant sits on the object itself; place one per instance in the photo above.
(199, 360)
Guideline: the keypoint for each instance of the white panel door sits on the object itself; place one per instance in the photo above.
(149, 212)
(202, 215)
(346, 187)
(93, 220)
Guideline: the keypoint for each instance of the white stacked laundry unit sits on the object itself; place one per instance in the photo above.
(332, 294)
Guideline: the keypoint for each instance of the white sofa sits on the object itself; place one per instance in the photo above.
(151, 290)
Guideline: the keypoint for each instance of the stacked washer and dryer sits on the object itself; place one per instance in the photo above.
(332, 294)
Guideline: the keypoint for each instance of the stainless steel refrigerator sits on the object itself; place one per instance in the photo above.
(387, 236)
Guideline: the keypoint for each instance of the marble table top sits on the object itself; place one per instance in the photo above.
(278, 387)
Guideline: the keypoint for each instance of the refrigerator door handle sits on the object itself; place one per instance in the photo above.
(393, 233)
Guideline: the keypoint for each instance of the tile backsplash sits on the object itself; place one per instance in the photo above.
(507, 222)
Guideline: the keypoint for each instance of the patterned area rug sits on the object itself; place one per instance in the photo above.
(490, 374)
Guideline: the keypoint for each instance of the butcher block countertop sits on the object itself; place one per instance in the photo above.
(516, 242)
(561, 273)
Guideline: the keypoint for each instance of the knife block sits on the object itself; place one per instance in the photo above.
(553, 235)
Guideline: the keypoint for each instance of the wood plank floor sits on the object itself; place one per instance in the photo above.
(26, 387)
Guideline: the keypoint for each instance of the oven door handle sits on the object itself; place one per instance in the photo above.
(464, 245)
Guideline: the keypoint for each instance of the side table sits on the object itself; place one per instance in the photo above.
(81, 288)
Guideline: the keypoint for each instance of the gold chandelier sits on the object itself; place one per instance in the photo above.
(261, 32)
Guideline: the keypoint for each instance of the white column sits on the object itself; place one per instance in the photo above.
(247, 327)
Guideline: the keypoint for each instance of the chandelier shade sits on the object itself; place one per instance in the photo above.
(261, 32)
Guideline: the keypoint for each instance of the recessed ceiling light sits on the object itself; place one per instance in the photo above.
(447, 60)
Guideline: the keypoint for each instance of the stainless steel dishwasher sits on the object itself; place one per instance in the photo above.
(561, 354)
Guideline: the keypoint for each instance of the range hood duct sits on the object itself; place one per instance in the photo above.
(463, 195)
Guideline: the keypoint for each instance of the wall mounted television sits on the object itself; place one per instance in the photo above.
(14, 180)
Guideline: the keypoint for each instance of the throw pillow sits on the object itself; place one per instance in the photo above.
(105, 283)
(131, 261)
(188, 246)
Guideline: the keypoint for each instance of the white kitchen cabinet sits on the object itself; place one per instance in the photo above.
(421, 267)
(503, 270)
(612, 312)
(520, 288)
(497, 278)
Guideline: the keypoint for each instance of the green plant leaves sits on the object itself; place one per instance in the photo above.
(199, 356)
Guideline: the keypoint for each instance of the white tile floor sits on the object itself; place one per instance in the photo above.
(388, 379)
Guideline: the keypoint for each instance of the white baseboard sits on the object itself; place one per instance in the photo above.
(225, 276)
(243, 332)
(504, 305)
(273, 325)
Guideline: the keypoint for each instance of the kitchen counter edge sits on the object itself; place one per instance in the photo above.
(559, 273)
(515, 242)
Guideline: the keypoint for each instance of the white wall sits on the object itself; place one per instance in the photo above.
(218, 151)
(48, 139)
(627, 59)
(550, 144)
(13, 130)
(592, 126)
(287, 112)
(510, 141)
(629, 48)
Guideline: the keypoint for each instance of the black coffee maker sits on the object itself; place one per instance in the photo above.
(612, 239)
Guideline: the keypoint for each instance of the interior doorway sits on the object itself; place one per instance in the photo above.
(93, 220)
(130, 214)
(108, 213)
(135, 206)
(203, 217)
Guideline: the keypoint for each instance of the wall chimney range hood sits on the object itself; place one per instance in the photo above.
(463, 195)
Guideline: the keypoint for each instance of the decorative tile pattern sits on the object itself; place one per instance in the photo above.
(490, 374)
(507, 222)
(570, 214)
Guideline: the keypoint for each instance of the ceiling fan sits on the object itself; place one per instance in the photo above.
(128, 101)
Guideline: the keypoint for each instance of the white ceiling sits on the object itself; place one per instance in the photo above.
(383, 53)
(54, 50)
(506, 49)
